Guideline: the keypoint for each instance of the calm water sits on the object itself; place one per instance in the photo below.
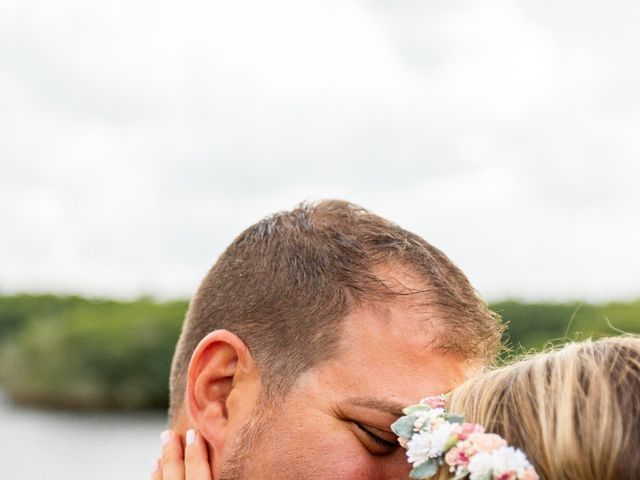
(40, 445)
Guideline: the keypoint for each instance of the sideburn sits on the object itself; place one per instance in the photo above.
(235, 468)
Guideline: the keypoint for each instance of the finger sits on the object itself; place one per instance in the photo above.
(172, 456)
(196, 457)
(156, 470)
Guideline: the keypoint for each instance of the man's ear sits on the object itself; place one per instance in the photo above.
(222, 387)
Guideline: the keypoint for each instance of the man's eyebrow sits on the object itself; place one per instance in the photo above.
(387, 406)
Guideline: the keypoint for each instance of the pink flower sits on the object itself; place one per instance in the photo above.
(506, 476)
(434, 401)
(486, 442)
(467, 447)
(467, 429)
(456, 456)
(451, 458)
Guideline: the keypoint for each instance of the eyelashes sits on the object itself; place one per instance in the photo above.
(381, 442)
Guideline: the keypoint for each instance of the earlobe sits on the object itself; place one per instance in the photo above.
(216, 366)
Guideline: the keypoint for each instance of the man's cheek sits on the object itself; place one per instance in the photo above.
(340, 458)
(338, 467)
(332, 456)
(356, 468)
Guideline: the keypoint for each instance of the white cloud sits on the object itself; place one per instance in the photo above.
(137, 139)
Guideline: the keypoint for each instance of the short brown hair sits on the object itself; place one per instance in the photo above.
(574, 411)
(284, 285)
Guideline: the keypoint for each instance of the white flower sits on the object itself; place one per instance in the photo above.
(509, 459)
(500, 461)
(480, 465)
(419, 447)
(428, 417)
(429, 444)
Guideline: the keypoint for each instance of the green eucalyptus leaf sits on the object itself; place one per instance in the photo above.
(453, 418)
(403, 427)
(425, 470)
(411, 409)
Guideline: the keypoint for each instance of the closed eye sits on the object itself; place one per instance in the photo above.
(384, 446)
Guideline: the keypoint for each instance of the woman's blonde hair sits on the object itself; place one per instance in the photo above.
(574, 411)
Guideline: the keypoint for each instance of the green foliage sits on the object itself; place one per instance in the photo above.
(16, 310)
(536, 325)
(425, 470)
(74, 352)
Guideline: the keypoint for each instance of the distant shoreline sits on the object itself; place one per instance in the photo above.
(72, 353)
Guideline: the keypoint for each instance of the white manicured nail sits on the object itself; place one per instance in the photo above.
(191, 436)
(165, 437)
(155, 465)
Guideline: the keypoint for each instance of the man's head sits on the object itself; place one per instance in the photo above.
(329, 315)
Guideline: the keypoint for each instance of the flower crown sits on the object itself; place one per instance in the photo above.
(434, 437)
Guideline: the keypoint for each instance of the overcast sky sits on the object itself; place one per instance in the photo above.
(137, 138)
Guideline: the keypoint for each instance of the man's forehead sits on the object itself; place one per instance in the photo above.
(386, 365)
(393, 325)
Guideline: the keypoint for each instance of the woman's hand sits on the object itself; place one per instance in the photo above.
(176, 463)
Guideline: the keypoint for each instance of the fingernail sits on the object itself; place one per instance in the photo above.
(155, 465)
(191, 436)
(165, 437)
